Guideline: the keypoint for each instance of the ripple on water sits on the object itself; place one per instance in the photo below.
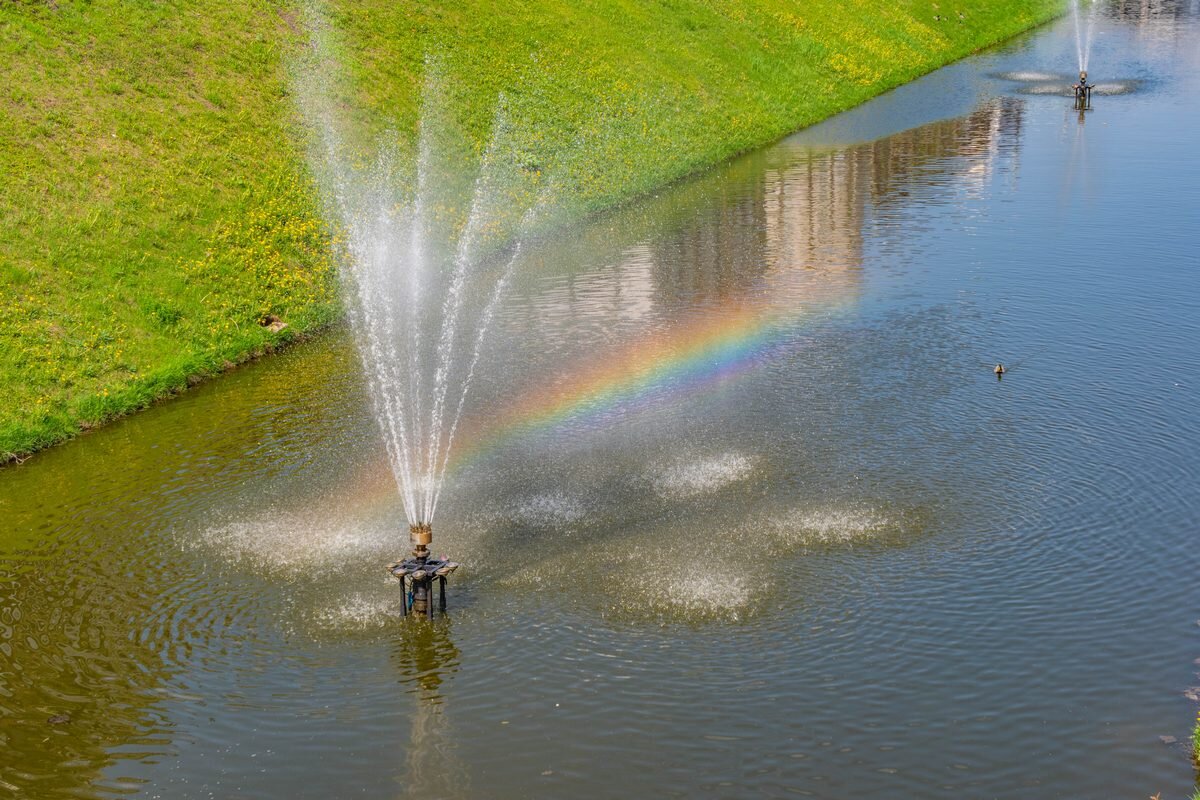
(1064, 89)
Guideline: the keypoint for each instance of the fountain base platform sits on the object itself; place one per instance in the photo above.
(417, 576)
(1083, 93)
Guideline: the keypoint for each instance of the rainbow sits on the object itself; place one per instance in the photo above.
(706, 349)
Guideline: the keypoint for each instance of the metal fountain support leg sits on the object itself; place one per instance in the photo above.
(1083, 93)
(418, 574)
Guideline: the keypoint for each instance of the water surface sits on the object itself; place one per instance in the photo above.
(742, 508)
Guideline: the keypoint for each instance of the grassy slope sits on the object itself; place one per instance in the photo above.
(154, 205)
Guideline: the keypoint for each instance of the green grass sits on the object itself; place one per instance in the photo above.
(153, 209)
(1196, 740)
(156, 207)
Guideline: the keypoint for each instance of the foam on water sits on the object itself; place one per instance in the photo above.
(692, 478)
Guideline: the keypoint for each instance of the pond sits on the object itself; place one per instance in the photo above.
(741, 506)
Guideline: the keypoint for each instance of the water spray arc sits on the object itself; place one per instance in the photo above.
(421, 290)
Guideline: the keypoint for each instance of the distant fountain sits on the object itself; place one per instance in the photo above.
(1085, 27)
(1084, 30)
(1083, 92)
(421, 285)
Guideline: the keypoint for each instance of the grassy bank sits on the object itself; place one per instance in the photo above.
(156, 209)
(1196, 744)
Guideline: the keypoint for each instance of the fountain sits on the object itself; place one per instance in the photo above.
(1083, 92)
(1083, 50)
(422, 285)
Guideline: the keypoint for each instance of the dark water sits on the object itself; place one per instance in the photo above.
(743, 510)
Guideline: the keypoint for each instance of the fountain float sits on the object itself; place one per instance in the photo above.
(418, 574)
(1083, 92)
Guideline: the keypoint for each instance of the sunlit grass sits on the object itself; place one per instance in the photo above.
(1196, 743)
(155, 206)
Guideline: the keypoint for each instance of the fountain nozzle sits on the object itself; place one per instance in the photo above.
(421, 534)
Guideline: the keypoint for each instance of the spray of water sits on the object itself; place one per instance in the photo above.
(422, 288)
(1085, 26)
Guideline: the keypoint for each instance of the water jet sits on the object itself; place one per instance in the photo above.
(418, 574)
(1084, 31)
(422, 286)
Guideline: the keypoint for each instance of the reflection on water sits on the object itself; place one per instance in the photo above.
(732, 444)
(425, 657)
(1164, 14)
(737, 273)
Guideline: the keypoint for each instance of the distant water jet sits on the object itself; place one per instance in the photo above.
(1083, 50)
(1085, 27)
